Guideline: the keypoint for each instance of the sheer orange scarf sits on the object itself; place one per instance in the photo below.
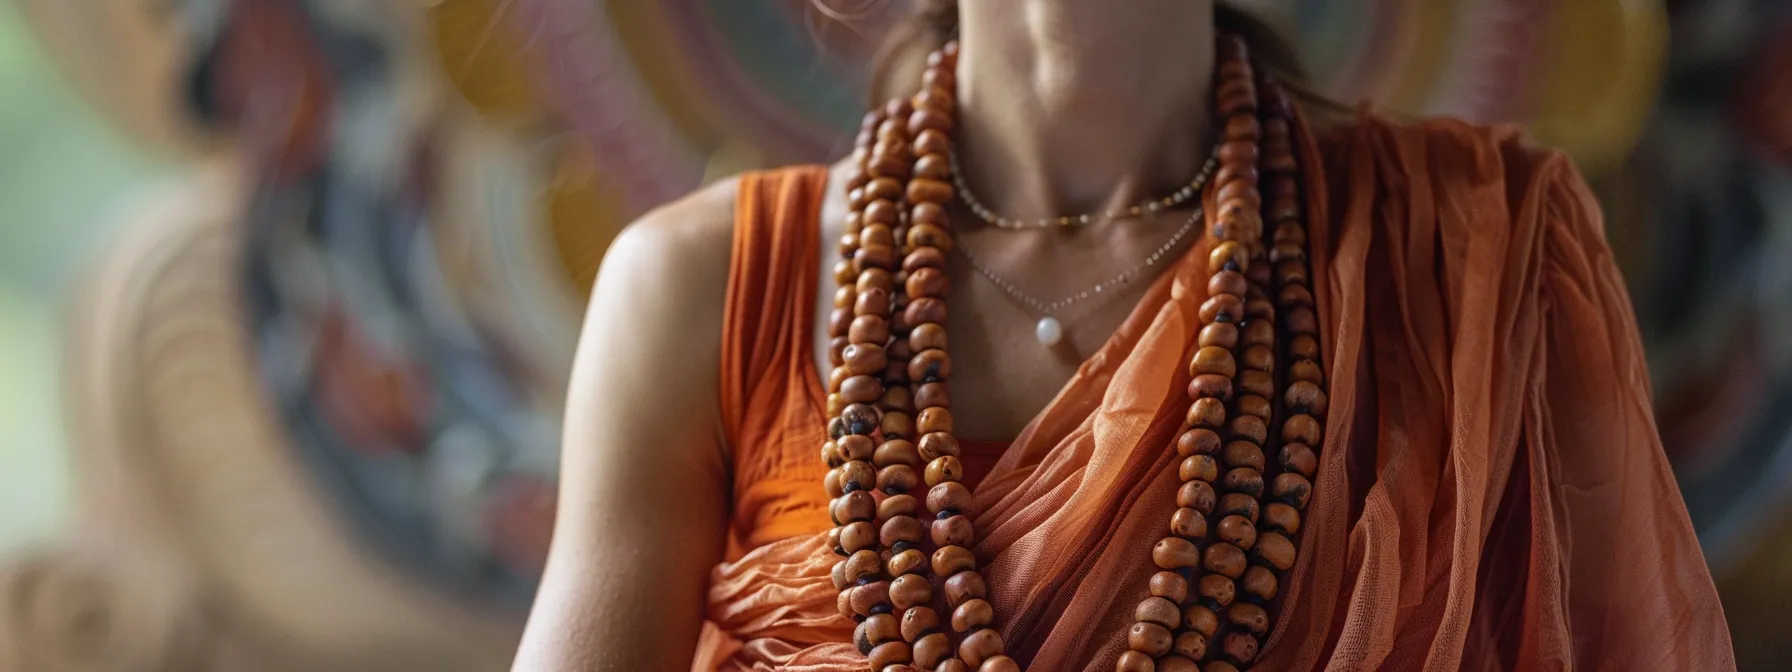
(1492, 493)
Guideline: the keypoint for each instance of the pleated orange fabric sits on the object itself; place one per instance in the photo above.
(1492, 493)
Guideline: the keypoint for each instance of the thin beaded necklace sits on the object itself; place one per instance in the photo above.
(1231, 537)
(1140, 209)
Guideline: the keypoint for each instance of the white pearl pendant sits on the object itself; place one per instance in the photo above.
(1048, 331)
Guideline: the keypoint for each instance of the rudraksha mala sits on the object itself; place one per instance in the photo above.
(890, 427)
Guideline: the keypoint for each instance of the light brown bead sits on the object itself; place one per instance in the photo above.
(898, 505)
(1224, 558)
(833, 485)
(1244, 454)
(861, 389)
(1248, 616)
(1150, 639)
(879, 212)
(1239, 504)
(1207, 413)
(910, 590)
(855, 506)
(1239, 648)
(935, 419)
(1238, 531)
(1229, 252)
(897, 425)
(878, 629)
(875, 256)
(888, 653)
(1259, 582)
(933, 143)
(1243, 479)
(924, 310)
(1301, 428)
(1170, 586)
(980, 646)
(1210, 385)
(831, 456)
(932, 166)
(843, 604)
(1200, 619)
(1216, 590)
(900, 528)
(927, 336)
(1260, 383)
(1300, 459)
(896, 451)
(857, 447)
(930, 365)
(999, 664)
(923, 120)
(1213, 360)
(1191, 645)
(864, 358)
(843, 273)
(953, 531)
(1258, 358)
(965, 585)
(1304, 346)
(919, 621)
(1175, 553)
(930, 236)
(930, 395)
(1227, 282)
(1222, 308)
(1133, 661)
(1188, 523)
(1198, 441)
(1197, 495)
(933, 446)
(838, 573)
(953, 665)
(858, 536)
(1236, 173)
(1199, 467)
(929, 191)
(1157, 610)
(952, 497)
(926, 281)
(870, 596)
(949, 560)
(972, 614)
(944, 469)
(1292, 488)
(1279, 517)
(1219, 334)
(1275, 550)
(911, 561)
(870, 279)
(1248, 427)
(1251, 404)
(930, 649)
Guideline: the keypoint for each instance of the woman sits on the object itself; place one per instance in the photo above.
(1380, 380)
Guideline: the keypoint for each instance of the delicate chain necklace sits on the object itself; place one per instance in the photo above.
(1147, 206)
(1049, 330)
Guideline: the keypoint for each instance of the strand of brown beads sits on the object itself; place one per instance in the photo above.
(897, 324)
(1239, 538)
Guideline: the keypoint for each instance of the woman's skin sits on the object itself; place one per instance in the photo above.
(1065, 106)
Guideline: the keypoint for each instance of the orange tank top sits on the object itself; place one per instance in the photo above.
(773, 403)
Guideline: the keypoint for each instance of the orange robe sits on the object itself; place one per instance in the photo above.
(1491, 493)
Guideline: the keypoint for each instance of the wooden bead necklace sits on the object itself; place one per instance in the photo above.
(890, 428)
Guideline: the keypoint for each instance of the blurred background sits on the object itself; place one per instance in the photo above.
(288, 288)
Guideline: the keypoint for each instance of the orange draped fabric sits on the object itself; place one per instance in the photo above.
(1491, 492)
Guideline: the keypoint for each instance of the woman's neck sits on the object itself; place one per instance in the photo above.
(1080, 105)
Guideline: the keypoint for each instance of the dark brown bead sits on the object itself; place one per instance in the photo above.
(1259, 583)
(929, 235)
(935, 419)
(1201, 619)
(1281, 162)
(1248, 427)
(858, 477)
(952, 497)
(930, 365)
(925, 282)
(1238, 531)
(1242, 127)
(924, 310)
(1236, 221)
(870, 596)
(833, 485)
(1304, 346)
(1280, 517)
(1258, 358)
(837, 345)
(933, 143)
(871, 329)
(1299, 459)
(1292, 488)
(1198, 441)
(1225, 559)
(1229, 173)
(932, 166)
(874, 277)
(875, 256)
(928, 213)
(1244, 479)
(1227, 282)
(1249, 617)
(999, 664)
(871, 301)
(933, 446)
(930, 648)
(879, 211)
(1213, 359)
(1296, 295)
(925, 120)
(1253, 405)
(897, 479)
(898, 505)
(1207, 412)
(1150, 639)
(1275, 550)
(1199, 467)
(1189, 524)
(1292, 272)
(1239, 504)
(831, 455)
(1190, 645)
(1281, 208)
(1216, 590)
(927, 336)
(1133, 661)
(896, 451)
(924, 257)
(1301, 320)
(971, 615)
(1219, 666)
(1244, 454)
(1210, 385)
(1301, 428)
(843, 274)
(856, 447)
(1158, 610)
(897, 425)
(1258, 333)
(1259, 309)
(1238, 151)
(885, 165)
(953, 531)
(888, 653)
(917, 618)
(1259, 383)
(1219, 334)
(907, 562)
(1306, 370)
(1175, 553)
(874, 234)
(1197, 495)
(965, 585)
(944, 469)
(929, 191)
(1240, 648)
(1229, 252)
(980, 646)
(861, 389)
(1170, 586)
(934, 98)
(949, 560)
(1222, 307)
(900, 528)
(1291, 232)
(858, 536)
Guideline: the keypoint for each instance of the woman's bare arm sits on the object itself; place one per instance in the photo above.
(644, 482)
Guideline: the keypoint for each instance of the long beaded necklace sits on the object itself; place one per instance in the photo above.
(1231, 537)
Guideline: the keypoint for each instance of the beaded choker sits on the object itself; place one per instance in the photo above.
(1255, 390)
